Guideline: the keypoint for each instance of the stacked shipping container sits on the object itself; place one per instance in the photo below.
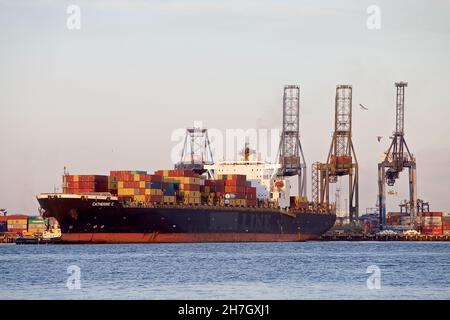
(182, 183)
(23, 224)
(214, 186)
(235, 189)
(446, 223)
(250, 196)
(431, 223)
(37, 224)
(3, 224)
(130, 184)
(167, 186)
(395, 218)
(17, 223)
(85, 183)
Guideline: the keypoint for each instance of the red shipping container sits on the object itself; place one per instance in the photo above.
(17, 217)
(250, 192)
(432, 231)
(154, 198)
(446, 225)
(230, 189)
(155, 178)
(250, 196)
(191, 187)
(122, 175)
(241, 183)
(144, 177)
(432, 214)
(18, 231)
(235, 189)
(128, 184)
(238, 179)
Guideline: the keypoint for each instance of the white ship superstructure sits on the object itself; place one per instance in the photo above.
(257, 171)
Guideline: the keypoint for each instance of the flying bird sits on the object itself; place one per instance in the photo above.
(362, 107)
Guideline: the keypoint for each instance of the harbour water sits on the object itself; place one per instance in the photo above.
(309, 270)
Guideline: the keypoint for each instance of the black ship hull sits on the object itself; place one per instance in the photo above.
(90, 219)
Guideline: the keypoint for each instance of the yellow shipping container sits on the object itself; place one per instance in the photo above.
(139, 198)
(190, 180)
(165, 173)
(191, 200)
(17, 221)
(125, 192)
(120, 184)
(75, 179)
(192, 194)
(237, 202)
(142, 184)
(169, 199)
(156, 192)
(37, 229)
(136, 177)
(147, 192)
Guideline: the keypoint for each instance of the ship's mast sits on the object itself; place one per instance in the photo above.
(65, 184)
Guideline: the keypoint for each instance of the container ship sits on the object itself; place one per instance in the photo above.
(179, 206)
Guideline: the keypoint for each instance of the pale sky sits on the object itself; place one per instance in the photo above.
(109, 96)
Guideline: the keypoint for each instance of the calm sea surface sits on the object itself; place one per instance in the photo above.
(309, 270)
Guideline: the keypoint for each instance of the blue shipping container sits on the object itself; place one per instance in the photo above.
(156, 185)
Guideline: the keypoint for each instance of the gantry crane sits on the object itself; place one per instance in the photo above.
(396, 159)
(196, 150)
(290, 153)
(341, 159)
